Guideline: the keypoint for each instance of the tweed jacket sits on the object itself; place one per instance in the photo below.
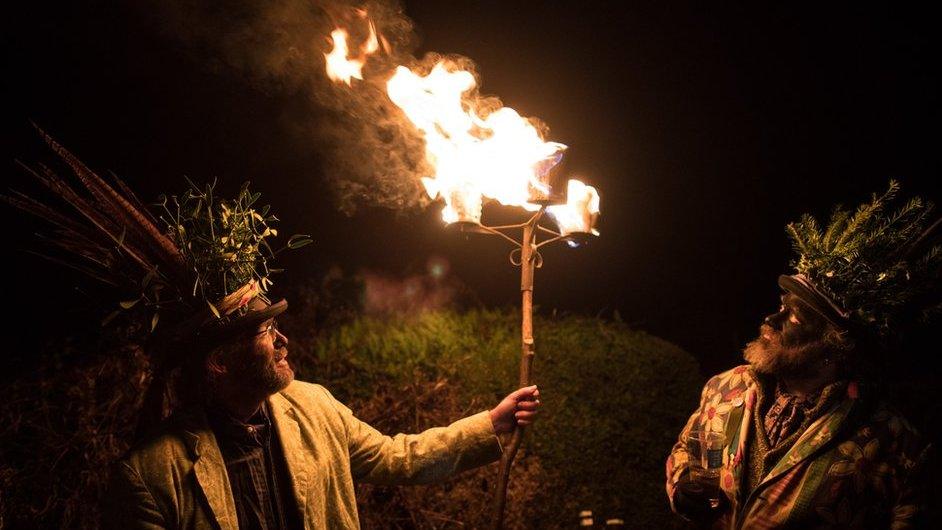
(859, 465)
(178, 478)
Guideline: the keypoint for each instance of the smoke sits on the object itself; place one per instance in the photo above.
(372, 154)
(411, 295)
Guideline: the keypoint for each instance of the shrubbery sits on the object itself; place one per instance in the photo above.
(614, 399)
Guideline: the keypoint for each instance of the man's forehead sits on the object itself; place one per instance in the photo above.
(794, 301)
(801, 308)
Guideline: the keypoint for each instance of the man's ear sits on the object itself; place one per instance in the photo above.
(214, 365)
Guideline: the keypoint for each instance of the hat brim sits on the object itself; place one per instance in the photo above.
(814, 299)
(250, 320)
(236, 326)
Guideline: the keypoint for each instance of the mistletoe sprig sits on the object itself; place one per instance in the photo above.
(224, 243)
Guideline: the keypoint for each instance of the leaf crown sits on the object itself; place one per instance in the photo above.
(880, 266)
(202, 254)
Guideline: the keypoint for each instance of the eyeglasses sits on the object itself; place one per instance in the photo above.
(273, 326)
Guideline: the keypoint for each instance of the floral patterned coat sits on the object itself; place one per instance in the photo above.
(859, 465)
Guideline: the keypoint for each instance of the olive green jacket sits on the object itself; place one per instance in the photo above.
(178, 479)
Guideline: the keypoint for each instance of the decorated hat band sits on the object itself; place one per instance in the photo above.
(820, 303)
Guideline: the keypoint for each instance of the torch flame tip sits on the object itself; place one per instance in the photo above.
(478, 148)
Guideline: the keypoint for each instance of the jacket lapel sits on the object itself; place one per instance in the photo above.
(210, 471)
(738, 432)
(817, 435)
(289, 435)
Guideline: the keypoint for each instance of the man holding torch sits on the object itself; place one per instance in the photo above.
(799, 437)
(228, 438)
(257, 449)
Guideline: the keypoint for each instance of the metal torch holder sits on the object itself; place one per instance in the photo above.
(526, 255)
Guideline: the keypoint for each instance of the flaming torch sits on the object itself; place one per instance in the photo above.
(480, 155)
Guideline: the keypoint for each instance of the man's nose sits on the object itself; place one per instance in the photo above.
(775, 320)
(281, 341)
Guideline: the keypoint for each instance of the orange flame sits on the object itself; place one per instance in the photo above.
(580, 212)
(475, 154)
(340, 67)
(498, 156)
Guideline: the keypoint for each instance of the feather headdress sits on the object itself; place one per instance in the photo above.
(196, 270)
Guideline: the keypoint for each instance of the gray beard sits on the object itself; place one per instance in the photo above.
(783, 361)
(263, 378)
(270, 380)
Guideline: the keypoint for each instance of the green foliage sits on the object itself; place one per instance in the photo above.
(614, 399)
(861, 259)
(224, 243)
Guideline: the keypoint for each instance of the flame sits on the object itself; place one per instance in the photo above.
(580, 212)
(476, 154)
(499, 156)
(340, 67)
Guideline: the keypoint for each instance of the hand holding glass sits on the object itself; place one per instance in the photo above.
(705, 451)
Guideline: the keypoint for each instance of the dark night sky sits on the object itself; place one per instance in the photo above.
(705, 127)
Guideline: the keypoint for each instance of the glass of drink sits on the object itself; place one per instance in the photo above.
(705, 450)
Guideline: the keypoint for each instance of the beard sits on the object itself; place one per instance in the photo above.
(769, 355)
(265, 374)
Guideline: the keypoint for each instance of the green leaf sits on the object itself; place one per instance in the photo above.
(299, 240)
(153, 321)
(213, 309)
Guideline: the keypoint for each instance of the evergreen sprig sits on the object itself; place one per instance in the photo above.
(861, 259)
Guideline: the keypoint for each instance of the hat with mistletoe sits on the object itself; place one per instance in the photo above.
(189, 275)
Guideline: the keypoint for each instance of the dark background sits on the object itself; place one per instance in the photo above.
(705, 127)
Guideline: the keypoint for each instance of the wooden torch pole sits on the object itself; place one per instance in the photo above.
(527, 269)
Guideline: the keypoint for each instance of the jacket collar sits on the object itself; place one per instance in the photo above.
(816, 436)
(297, 457)
(209, 468)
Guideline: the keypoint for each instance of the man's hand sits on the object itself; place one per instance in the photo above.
(520, 407)
(692, 501)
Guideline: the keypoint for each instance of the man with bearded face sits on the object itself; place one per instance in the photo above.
(807, 442)
(253, 448)
(246, 445)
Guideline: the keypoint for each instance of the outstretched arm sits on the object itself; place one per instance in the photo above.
(437, 453)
